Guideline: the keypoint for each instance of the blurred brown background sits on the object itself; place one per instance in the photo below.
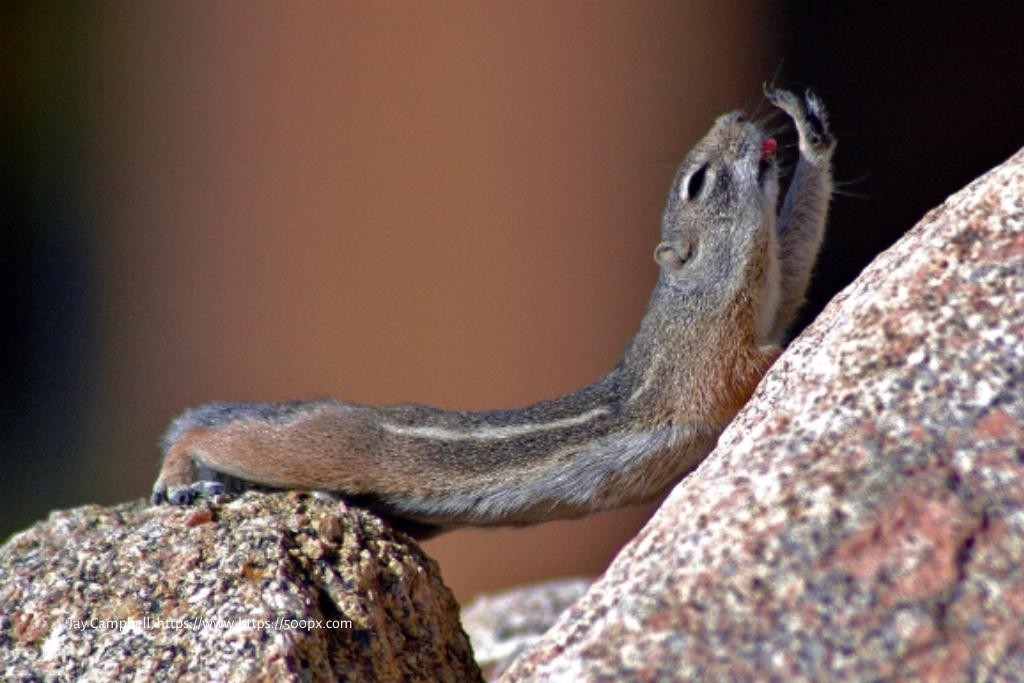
(450, 203)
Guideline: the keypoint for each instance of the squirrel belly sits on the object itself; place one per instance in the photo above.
(733, 270)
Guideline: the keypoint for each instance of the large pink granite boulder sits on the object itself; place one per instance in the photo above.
(863, 517)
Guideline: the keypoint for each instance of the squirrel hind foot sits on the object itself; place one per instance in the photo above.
(182, 480)
(186, 494)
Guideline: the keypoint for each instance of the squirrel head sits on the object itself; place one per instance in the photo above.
(721, 206)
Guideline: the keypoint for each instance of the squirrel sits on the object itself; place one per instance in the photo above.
(733, 270)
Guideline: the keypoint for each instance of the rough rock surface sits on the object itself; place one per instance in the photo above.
(503, 625)
(82, 596)
(863, 517)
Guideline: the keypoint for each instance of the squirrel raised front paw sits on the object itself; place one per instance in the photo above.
(809, 116)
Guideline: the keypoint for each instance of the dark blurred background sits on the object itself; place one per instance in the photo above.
(450, 203)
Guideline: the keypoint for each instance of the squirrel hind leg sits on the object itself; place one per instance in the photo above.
(187, 472)
(178, 474)
(183, 478)
(181, 482)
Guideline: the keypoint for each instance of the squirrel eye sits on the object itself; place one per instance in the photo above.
(695, 182)
(670, 257)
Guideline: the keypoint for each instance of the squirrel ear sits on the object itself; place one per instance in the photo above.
(668, 256)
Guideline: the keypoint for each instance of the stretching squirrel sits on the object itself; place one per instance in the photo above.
(733, 271)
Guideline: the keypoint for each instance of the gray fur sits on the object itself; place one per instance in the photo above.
(571, 482)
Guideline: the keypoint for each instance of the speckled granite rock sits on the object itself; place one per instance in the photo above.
(69, 584)
(863, 517)
(503, 625)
